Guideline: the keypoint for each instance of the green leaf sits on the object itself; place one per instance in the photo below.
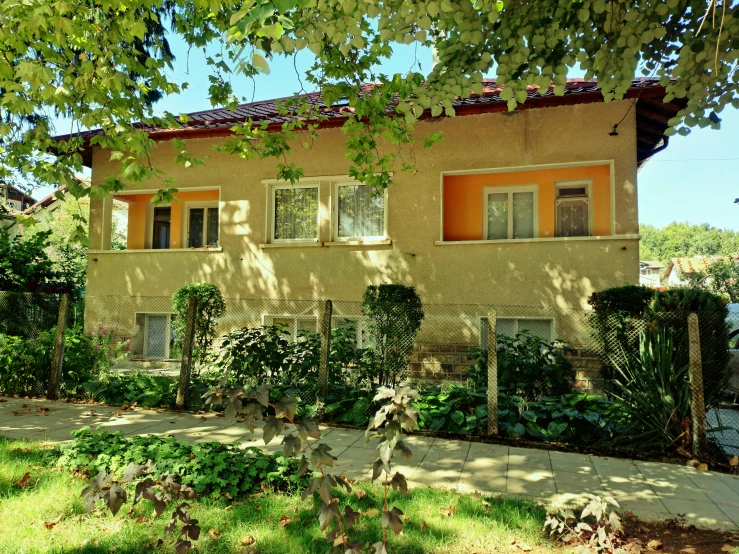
(260, 63)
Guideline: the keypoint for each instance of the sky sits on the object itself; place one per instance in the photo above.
(694, 180)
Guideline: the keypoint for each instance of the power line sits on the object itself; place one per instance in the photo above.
(697, 160)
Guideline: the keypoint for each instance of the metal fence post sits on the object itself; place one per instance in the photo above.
(183, 386)
(324, 328)
(697, 405)
(57, 357)
(492, 374)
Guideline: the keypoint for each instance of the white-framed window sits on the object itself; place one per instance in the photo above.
(359, 214)
(202, 224)
(573, 208)
(357, 324)
(293, 213)
(542, 327)
(155, 336)
(510, 212)
(292, 326)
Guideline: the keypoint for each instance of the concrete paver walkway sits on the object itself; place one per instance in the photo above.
(651, 491)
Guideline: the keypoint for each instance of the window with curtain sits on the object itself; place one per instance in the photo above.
(202, 229)
(510, 212)
(360, 213)
(573, 207)
(295, 213)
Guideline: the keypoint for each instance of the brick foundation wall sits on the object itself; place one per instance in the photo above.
(440, 362)
(449, 362)
(586, 368)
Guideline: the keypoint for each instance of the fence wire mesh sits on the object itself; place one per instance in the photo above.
(558, 370)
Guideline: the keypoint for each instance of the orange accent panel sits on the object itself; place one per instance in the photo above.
(463, 208)
(137, 215)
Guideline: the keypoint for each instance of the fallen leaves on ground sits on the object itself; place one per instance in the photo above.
(50, 524)
(215, 535)
(727, 548)
(654, 544)
(359, 493)
(521, 545)
(702, 467)
(448, 512)
(118, 414)
(372, 512)
(43, 411)
(21, 412)
(423, 526)
(23, 483)
(734, 462)
(248, 541)
(284, 522)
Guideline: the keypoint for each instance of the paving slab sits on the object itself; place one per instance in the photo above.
(650, 490)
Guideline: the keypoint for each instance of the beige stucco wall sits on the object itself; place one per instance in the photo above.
(552, 274)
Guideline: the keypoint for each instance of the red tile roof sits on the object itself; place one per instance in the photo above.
(217, 122)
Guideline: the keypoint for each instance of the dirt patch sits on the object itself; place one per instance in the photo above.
(673, 536)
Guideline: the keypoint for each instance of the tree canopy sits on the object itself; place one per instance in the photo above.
(684, 239)
(102, 64)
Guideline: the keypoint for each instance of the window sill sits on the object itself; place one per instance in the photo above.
(550, 239)
(290, 245)
(157, 250)
(385, 242)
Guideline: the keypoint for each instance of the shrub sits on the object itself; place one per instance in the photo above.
(619, 319)
(528, 366)
(210, 306)
(262, 354)
(209, 468)
(25, 363)
(654, 390)
(394, 314)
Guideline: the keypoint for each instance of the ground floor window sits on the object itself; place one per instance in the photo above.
(155, 338)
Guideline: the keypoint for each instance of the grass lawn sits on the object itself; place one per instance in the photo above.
(47, 515)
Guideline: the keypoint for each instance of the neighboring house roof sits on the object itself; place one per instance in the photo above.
(686, 266)
(6, 191)
(45, 202)
(652, 113)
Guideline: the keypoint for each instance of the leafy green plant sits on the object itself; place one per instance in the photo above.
(260, 354)
(528, 366)
(388, 424)
(209, 468)
(394, 314)
(596, 531)
(210, 306)
(622, 314)
(654, 390)
(25, 362)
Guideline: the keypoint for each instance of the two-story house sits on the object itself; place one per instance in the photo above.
(530, 211)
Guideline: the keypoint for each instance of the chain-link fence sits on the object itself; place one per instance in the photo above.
(612, 381)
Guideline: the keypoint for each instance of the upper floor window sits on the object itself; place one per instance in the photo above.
(202, 225)
(510, 212)
(359, 213)
(161, 227)
(573, 209)
(294, 213)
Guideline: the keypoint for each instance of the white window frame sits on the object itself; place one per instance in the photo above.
(360, 327)
(516, 319)
(168, 333)
(272, 205)
(268, 320)
(588, 184)
(486, 191)
(186, 227)
(335, 215)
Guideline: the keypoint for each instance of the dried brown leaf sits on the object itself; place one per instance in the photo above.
(284, 522)
(734, 462)
(702, 467)
(448, 512)
(654, 544)
(248, 541)
(50, 524)
(215, 535)
(23, 483)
